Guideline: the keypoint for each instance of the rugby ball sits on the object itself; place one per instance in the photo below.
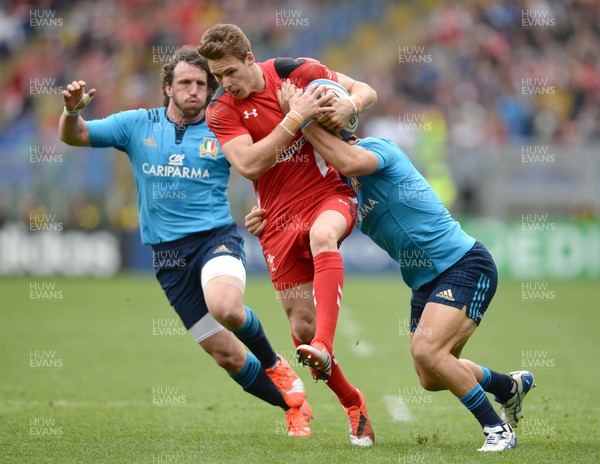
(340, 92)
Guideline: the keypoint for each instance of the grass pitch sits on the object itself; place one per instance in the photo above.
(102, 371)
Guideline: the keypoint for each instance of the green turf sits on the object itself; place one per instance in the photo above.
(110, 366)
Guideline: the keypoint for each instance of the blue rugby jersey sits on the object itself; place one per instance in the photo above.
(180, 172)
(402, 214)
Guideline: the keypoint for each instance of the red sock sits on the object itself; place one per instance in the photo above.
(297, 342)
(345, 391)
(327, 286)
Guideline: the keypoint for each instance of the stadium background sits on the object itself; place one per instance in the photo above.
(498, 103)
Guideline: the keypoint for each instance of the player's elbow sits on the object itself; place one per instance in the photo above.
(369, 97)
(250, 172)
(77, 136)
(64, 138)
(72, 141)
(346, 170)
(352, 168)
(374, 97)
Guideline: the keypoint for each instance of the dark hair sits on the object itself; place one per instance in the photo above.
(188, 54)
(224, 40)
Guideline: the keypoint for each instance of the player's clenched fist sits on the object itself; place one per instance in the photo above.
(75, 97)
(254, 221)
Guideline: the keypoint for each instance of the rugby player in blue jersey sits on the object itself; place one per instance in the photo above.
(181, 177)
(452, 276)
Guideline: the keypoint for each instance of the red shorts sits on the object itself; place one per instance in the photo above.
(286, 238)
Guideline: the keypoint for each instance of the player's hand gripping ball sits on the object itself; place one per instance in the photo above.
(340, 93)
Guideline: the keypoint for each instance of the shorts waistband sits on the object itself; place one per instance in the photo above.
(188, 239)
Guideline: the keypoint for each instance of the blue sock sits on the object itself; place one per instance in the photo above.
(253, 379)
(499, 384)
(253, 336)
(487, 377)
(478, 403)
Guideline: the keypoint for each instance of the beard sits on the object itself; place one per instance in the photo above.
(189, 110)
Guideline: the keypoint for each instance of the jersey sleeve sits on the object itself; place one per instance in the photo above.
(114, 130)
(224, 121)
(303, 69)
(387, 153)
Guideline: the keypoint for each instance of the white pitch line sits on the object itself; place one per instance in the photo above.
(350, 329)
(397, 409)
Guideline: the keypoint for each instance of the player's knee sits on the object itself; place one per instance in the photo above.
(304, 330)
(429, 382)
(424, 353)
(228, 309)
(427, 379)
(322, 238)
(301, 315)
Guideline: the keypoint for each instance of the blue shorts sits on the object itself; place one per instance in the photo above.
(178, 265)
(470, 282)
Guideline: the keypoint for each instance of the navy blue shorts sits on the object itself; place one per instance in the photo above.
(178, 265)
(470, 282)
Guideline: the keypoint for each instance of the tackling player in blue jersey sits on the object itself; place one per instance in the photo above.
(181, 177)
(453, 277)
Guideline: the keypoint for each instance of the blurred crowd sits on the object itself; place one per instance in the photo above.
(118, 45)
(500, 73)
(477, 72)
(497, 70)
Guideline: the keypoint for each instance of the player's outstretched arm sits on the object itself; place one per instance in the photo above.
(252, 160)
(349, 160)
(72, 128)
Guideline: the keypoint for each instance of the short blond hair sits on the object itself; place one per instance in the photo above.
(224, 40)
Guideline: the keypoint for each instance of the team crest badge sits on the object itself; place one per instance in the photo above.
(209, 147)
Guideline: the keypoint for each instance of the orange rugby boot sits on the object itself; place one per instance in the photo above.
(298, 420)
(287, 382)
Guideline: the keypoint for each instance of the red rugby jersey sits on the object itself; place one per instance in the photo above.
(299, 172)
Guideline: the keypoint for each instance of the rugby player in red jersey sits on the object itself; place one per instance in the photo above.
(308, 209)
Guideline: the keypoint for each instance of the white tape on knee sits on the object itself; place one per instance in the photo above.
(224, 279)
(222, 266)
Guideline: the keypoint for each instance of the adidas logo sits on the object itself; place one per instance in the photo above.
(446, 295)
(221, 249)
(150, 142)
